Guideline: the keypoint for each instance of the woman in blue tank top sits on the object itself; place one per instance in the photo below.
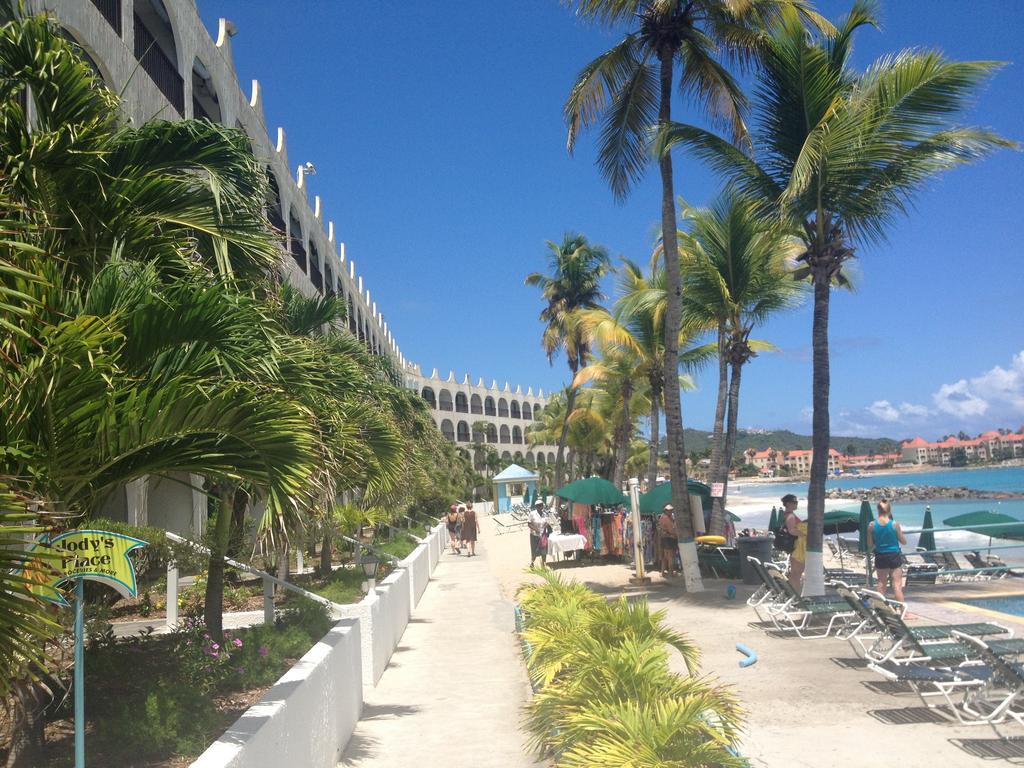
(884, 538)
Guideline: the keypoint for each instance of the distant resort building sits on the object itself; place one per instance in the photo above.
(159, 56)
(471, 414)
(771, 462)
(988, 446)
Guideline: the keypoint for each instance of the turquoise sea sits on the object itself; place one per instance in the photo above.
(911, 514)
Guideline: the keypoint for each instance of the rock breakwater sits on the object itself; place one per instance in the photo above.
(911, 492)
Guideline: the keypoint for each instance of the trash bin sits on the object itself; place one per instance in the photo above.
(753, 546)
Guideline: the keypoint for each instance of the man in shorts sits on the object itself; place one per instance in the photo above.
(536, 523)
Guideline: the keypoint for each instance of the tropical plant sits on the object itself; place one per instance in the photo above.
(577, 267)
(606, 694)
(735, 266)
(629, 89)
(840, 154)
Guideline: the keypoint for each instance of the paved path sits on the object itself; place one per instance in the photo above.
(453, 693)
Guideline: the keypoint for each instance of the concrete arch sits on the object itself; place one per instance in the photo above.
(296, 241)
(513, 410)
(275, 210)
(503, 407)
(518, 457)
(428, 395)
(205, 100)
(504, 435)
(448, 430)
(517, 435)
(541, 461)
(492, 433)
(315, 275)
(530, 457)
(476, 405)
(527, 413)
(537, 411)
(462, 432)
(96, 64)
(489, 409)
(479, 435)
(551, 457)
(444, 400)
(461, 402)
(157, 49)
(506, 456)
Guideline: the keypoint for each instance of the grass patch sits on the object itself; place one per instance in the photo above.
(401, 547)
(344, 585)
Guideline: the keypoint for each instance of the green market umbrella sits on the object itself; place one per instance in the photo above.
(1011, 527)
(866, 518)
(839, 521)
(591, 490)
(773, 521)
(732, 516)
(652, 502)
(927, 540)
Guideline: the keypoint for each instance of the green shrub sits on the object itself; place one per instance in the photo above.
(173, 717)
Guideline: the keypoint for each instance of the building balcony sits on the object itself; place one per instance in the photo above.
(159, 67)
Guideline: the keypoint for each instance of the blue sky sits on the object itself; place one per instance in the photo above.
(437, 134)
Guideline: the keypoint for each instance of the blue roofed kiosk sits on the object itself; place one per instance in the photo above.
(512, 475)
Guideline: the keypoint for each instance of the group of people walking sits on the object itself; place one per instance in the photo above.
(463, 528)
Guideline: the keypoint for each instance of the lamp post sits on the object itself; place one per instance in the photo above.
(369, 563)
(638, 553)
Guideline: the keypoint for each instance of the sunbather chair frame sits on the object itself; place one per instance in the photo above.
(955, 685)
(1000, 692)
(798, 613)
(930, 643)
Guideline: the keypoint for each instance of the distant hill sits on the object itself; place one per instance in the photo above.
(783, 440)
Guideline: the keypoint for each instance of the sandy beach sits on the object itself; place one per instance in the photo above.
(808, 702)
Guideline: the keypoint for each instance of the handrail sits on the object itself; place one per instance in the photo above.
(965, 528)
(379, 553)
(257, 572)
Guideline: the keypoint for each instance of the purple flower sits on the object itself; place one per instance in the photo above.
(237, 642)
(216, 646)
(263, 651)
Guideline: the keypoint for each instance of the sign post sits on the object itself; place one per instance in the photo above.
(95, 555)
(638, 552)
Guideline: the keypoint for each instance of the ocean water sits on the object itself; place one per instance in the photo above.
(911, 514)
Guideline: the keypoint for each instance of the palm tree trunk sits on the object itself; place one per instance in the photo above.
(570, 402)
(814, 576)
(652, 461)
(623, 433)
(282, 551)
(673, 312)
(730, 441)
(325, 553)
(718, 435)
(213, 602)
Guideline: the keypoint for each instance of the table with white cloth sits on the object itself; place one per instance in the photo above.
(560, 543)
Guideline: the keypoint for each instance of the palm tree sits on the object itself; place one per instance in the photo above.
(576, 267)
(630, 87)
(617, 377)
(841, 154)
(736, 275)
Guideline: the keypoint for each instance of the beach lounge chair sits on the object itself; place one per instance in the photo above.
(957, 686)
(804, 615)
(767, 593)
(872, 638)
(993, 702)
(904, 644)
(503, 527)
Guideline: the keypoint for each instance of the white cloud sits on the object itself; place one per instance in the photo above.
(997, 393)
(885, 411)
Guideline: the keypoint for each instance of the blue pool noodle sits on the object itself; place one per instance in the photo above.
(751, 656)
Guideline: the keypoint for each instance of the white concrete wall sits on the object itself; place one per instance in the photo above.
(417, 563)
(306, 718)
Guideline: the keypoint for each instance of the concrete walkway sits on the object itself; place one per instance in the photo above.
(454, 690)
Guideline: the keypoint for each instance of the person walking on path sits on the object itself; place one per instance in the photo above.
(668, 544)
(470, 529)
(452, 522)
(538, 537)
(884, 537)
(798, 529)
